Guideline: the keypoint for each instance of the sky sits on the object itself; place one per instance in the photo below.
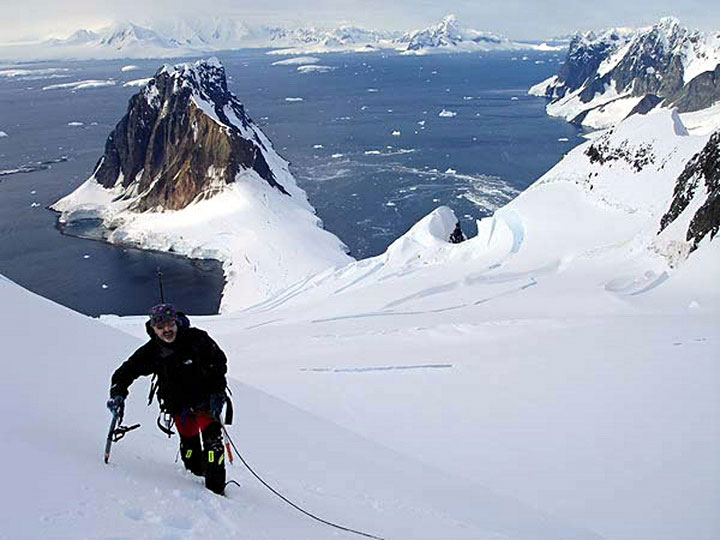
(516, 19)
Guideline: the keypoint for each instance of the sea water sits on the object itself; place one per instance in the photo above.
(377, 141)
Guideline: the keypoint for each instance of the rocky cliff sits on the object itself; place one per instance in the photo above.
(183, 138)
(698, 190)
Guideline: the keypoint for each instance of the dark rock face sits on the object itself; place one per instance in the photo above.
(700, 93)
(647, 104)
(704, 167)
(584, 56)
(183, 137)
(602, 152)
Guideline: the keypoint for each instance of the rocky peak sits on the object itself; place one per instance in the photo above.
(183, 138)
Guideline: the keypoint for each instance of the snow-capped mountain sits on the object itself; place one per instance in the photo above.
(186, 170)
(119, 40)
(345, 37)
(450, 35)
(174, 37)
(609, 76)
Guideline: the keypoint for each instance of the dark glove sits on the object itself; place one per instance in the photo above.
(217, 401)
(116, 404)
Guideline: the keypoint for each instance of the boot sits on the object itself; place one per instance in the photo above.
(192, 455)
(215, 469)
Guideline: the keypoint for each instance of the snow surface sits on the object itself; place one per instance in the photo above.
(299, 60)
(81, 85)
(703, 122)
(315, 69)
(562, 357)
(556, 358)
(138, 82)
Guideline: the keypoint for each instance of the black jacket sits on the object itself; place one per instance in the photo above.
(188, 370)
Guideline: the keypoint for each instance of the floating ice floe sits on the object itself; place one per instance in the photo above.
(337, 156)
(450, 171)
(372, 152)
(293, 99)
(297, 61)
(75, 124)
(447, 114)
(3, 134)
(81, 85)
(33, 74)
(128, 68)
(137, 82)
(314, 69)
(35, 205)
(421, 123)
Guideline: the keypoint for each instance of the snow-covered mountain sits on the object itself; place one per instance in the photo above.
(187, 171)
(174, 37)
(449, 35)
(119, 40)
(611, 75)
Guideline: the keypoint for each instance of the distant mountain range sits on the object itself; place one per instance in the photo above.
(185, 38)
(609, 76)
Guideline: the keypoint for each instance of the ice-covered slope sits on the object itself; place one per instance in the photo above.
(187, 171)
(564, 356)
(55, 485)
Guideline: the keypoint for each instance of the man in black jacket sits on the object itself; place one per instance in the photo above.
(190, 370)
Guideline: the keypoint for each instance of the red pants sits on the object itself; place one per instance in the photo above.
(190, 425)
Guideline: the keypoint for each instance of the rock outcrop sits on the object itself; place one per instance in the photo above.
(183, 138)
(698, 186)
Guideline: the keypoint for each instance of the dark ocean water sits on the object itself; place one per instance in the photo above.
(366, 140)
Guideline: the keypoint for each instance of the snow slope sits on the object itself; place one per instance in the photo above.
(562, 356)
(55, 485)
